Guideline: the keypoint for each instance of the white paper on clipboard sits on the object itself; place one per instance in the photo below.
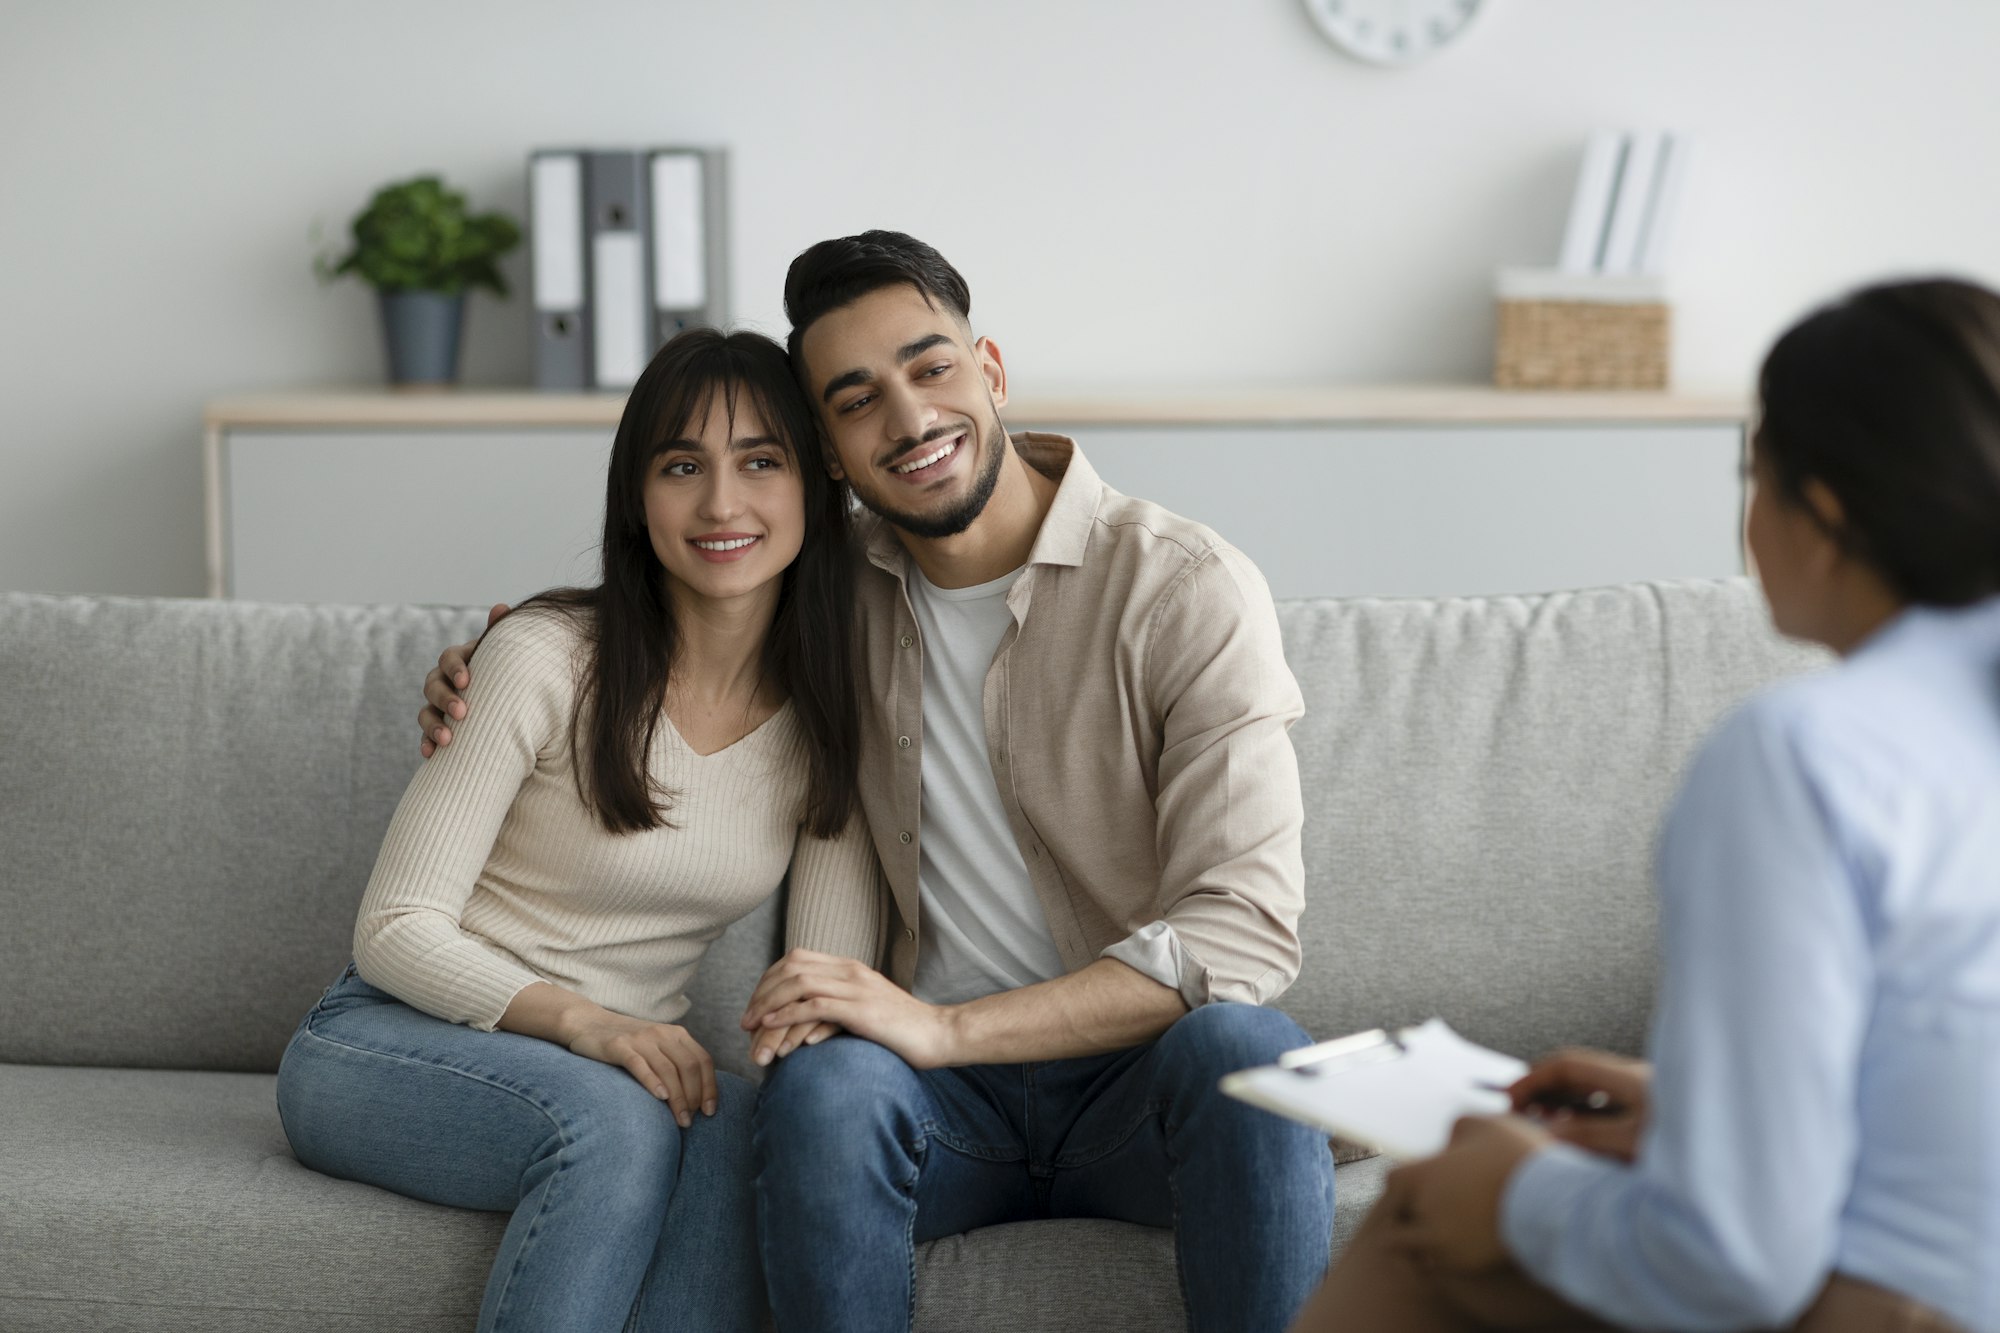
(1400, 1094)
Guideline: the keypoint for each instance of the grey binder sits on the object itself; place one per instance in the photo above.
(689, 259)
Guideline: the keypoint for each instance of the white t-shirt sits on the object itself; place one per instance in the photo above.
(983, 927)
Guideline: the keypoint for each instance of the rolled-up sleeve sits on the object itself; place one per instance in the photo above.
(1229, 810)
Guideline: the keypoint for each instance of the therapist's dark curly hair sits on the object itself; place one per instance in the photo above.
(1890, 398)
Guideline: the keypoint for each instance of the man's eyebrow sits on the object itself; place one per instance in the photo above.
(905, 354)
(847, 381)
(911, 351)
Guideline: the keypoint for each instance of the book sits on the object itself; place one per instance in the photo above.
(1656, 242)
(1590, 206)
(1399, 1092)
(1633, 201)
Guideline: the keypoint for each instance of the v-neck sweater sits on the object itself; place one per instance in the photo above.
(494, 874)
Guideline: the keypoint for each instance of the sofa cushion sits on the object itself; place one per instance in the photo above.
(155, 1200)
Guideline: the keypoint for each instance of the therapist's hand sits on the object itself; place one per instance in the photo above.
(443, 686)
(1593, 1099)
(1446, 1209)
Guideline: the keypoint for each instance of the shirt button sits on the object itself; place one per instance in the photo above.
(902, 742)
(904, 837)
(906, 641)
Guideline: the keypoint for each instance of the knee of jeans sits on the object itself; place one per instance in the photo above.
(631, 1134)
(822, 1097)
(1222, 1038)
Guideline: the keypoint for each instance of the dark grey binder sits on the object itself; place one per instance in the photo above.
(559, 270)
(615, 234)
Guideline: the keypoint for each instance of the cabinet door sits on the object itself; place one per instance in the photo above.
(454, 517)
(1338, 511)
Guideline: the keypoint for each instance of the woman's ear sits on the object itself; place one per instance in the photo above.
(1830, 521)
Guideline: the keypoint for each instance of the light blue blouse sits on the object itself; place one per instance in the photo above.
(1827, 1042)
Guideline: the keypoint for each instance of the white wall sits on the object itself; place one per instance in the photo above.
(1141, 192)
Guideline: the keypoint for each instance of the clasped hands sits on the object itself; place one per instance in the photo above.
(806, 997)
(1446, 1209)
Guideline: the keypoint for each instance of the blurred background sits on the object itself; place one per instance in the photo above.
(1147, 194)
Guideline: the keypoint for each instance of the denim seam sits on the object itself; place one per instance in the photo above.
(920, 1150)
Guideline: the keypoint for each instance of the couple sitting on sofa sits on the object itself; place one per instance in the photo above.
(1086, 699)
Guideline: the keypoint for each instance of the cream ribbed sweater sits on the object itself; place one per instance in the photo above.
(495, 875)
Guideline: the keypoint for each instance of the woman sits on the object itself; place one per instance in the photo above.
(1817, 1145)
(646, 758)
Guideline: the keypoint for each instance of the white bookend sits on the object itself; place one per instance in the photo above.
(1636, 182)
(1590, 206)
(1656, 247)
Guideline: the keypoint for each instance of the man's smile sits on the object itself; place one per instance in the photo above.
(931, 457)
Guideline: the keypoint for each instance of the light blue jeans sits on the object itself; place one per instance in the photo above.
(621, 1220)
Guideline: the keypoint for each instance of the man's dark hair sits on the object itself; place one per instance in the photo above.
(1890, 398)
(840, 272)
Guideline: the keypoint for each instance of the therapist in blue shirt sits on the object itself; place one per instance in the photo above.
(1816, 1143)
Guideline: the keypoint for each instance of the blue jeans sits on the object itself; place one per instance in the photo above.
(860, 1157)
(621, 1218)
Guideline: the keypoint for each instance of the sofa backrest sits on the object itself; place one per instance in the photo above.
(192, 794)
(1484, 778)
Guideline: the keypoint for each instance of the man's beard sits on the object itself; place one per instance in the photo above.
(960, 516)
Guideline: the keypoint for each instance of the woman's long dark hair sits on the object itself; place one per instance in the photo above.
(629, 619)
(1890, 398)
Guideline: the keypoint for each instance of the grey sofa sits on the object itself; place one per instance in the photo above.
(191, 794)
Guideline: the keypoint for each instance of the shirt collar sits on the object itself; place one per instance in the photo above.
(1065, 531)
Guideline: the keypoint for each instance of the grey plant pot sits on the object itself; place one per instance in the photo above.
(421, 331)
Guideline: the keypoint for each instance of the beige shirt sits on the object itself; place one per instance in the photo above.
(495, 875)
(1137, 717)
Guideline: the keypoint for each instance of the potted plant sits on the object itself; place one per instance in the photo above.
(420, 250)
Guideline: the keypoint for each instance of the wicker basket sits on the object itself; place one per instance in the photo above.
(1581, 345)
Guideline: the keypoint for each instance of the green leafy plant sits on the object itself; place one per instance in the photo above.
(417, 236)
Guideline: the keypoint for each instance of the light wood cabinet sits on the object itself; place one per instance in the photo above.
(467, 498)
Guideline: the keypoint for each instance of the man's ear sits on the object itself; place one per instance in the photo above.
(993, 368)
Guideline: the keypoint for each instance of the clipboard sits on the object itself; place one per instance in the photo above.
(1399, 1092)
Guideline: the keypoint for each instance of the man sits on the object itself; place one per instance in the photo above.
(1076, 769)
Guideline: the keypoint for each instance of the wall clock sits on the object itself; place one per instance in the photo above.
(1392, 32)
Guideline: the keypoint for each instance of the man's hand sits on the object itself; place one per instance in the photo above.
(805, 988)
(1446, 1209)
(442, 689)
(667, 1061)
(1593, 1099)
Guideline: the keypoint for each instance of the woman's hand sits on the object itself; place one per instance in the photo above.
(1592, 1099)
(1446, 1208)
(667, 1061)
